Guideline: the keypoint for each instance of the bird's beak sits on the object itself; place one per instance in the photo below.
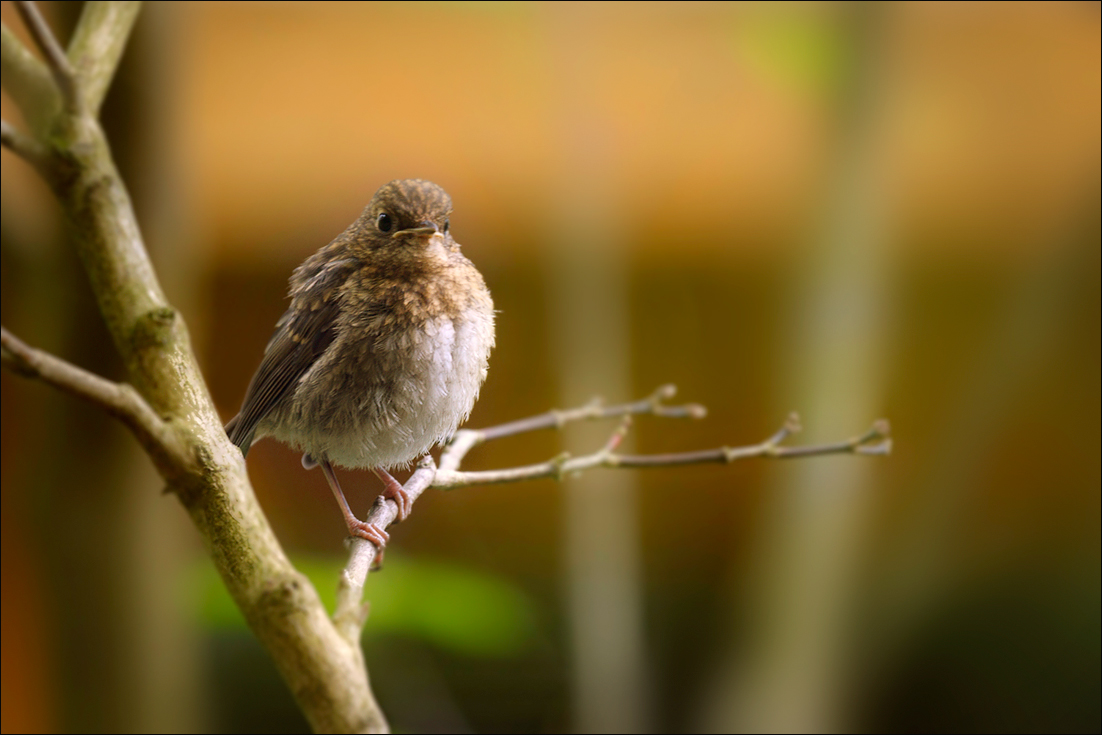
(426, 228)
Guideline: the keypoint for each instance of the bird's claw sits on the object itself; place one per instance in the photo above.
(374, 534)
(393, 490)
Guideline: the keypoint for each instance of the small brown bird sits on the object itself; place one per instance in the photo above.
(383, 350)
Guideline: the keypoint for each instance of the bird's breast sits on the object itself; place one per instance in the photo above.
(385, 398)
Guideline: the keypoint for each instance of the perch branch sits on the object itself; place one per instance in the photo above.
(351, 613)
(56, 59)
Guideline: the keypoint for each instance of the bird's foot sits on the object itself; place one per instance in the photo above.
(370, 532)
(393, 489)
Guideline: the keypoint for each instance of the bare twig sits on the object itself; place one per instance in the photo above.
(595, 409)
(119, 400)
(24, 146)
(55, 57)
(874, 441)
(27, 81)
(351, 614)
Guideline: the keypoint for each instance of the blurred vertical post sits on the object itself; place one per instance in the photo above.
(587, 276)
(161, 651)
(792, 666)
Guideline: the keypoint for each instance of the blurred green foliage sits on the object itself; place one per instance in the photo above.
(453, 607)
(796, 50)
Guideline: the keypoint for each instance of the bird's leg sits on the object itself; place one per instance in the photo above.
(356, 527)
(394, 490)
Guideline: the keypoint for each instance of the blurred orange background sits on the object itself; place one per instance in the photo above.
(853, 211)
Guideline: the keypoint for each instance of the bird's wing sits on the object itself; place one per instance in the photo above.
(302, 335)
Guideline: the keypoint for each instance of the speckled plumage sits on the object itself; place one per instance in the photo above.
(385, 345)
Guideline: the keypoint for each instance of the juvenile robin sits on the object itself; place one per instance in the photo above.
(383, 350)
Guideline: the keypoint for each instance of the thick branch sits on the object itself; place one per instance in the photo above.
(56, 59)
(324, 671)
(97, 46)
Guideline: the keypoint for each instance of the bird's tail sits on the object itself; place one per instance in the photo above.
(238, 437)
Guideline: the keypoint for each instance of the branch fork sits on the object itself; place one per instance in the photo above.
(165, 402)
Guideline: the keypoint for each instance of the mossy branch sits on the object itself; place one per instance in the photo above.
(168, 407)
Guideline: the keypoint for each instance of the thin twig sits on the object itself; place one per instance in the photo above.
(51, 49)
(874, 441)
(351, 613)
(24, 146)
(117, 399)
(27, 81)
(594, 410)
(466, 439)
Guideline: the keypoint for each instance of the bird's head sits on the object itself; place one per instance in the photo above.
(408, 212)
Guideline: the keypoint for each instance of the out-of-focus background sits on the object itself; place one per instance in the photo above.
(850, 211)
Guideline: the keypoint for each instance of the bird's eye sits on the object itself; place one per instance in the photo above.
(447, 224)
(384, 222)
